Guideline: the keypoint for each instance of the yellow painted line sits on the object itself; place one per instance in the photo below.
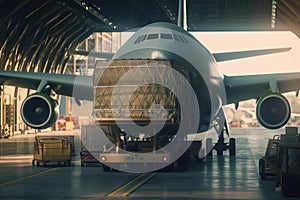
(122, 187)
(132, 189)
(28, 177)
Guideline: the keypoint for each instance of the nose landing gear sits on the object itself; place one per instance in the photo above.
(222, 146)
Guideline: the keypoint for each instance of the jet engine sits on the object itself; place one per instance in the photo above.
(39, 111)
(273, 111)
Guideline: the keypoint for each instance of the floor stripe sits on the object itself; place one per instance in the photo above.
(122, 187)
(132, 185)
(28, 177)
(135, 187)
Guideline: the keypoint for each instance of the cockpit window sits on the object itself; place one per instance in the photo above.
(166, 36)
(184, 39)
(143, 38)
(176, 37)
(180, 38)
(138, 39)
(152, 36)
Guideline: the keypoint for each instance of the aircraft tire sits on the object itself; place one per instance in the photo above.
(209, 147)
(232, 147)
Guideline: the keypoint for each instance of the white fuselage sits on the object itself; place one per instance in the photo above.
(168, 41)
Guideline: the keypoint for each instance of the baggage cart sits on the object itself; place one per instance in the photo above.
(53, 150)
(267, 164)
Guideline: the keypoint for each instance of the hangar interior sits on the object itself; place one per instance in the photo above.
(42, 36)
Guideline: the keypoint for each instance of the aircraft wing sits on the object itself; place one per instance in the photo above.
(245, 87)
(226, 56)
(62, 84)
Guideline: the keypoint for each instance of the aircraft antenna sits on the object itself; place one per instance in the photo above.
(182, 14)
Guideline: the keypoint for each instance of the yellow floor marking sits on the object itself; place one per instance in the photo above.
(116, 191)
(132, 189)
(28, 177)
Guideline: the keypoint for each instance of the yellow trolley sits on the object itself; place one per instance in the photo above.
(52, 150)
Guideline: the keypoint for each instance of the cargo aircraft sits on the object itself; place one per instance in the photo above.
(166, 41)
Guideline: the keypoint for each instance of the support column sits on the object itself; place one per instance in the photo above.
(1, 111)
(16, 110)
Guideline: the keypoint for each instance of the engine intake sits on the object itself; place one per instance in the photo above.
(39, 111)
(273, 111)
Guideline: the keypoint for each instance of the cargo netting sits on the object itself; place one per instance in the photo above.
(135, 89)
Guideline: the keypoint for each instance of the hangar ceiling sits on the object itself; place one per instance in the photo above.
(37, 35)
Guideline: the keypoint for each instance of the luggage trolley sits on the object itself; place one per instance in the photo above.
(52, 150)
(267, 164)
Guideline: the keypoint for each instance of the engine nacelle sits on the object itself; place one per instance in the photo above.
(273, 111)
(39, 111)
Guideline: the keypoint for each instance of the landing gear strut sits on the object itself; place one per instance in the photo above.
(222, 146)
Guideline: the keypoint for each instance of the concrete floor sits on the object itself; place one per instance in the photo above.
(219, 177)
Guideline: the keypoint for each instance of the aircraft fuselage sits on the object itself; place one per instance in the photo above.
(170, 42)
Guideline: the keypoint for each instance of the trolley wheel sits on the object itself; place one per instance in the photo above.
(262, 168)
(232, 147)
(33, 162)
